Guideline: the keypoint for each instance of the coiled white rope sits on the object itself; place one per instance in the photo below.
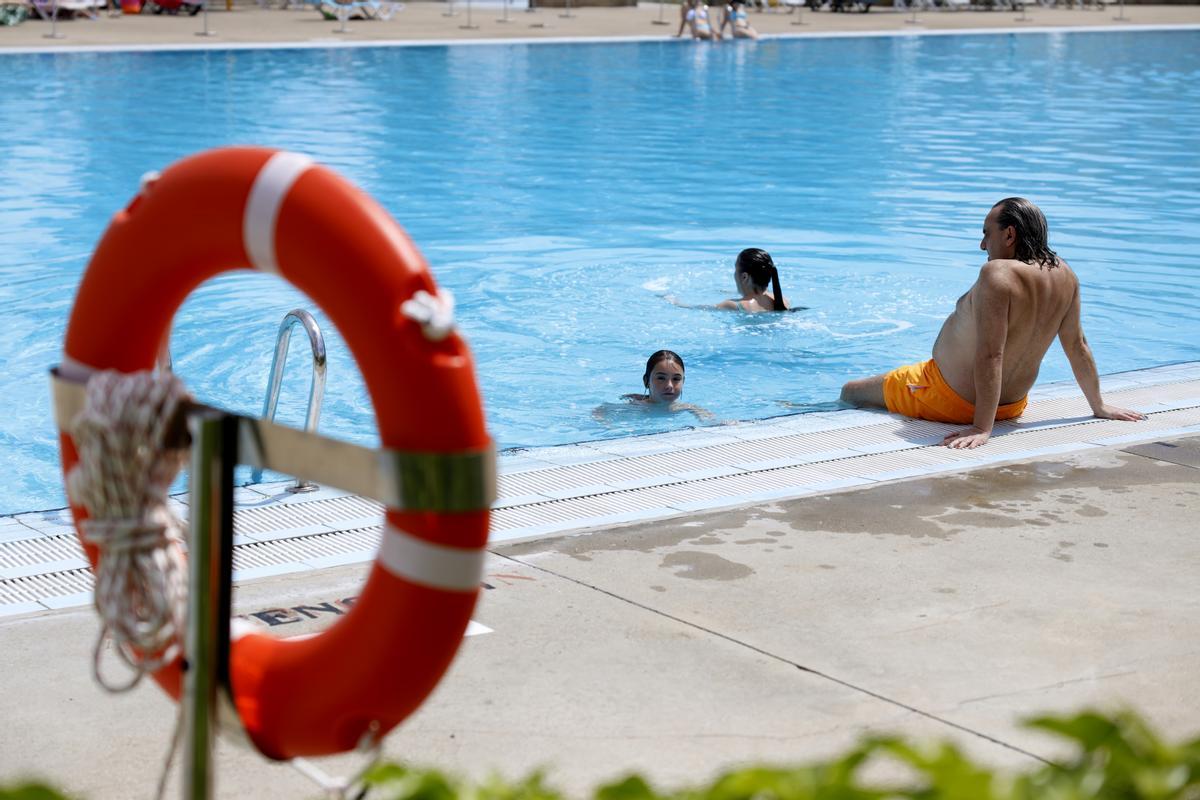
(122, 478)
(434, 312)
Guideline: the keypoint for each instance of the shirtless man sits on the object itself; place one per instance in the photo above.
(990, 348)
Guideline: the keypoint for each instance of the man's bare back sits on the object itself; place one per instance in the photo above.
(1027, 303)
(990, 349)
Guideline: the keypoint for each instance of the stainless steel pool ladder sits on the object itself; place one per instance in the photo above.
(316, 389)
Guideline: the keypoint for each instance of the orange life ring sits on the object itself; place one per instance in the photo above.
(281, 213)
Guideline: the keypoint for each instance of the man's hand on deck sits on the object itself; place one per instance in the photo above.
(1115, 412)
(967, 438)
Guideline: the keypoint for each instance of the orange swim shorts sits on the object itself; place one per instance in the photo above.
(920, 391)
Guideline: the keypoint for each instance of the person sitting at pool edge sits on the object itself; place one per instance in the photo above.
(693, 14)
(664, 379)
(738, 22)
(990, 348)
(752, 271)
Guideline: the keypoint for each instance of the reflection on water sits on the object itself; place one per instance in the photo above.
(561, 191)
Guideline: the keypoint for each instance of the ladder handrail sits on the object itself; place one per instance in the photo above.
(316, 389)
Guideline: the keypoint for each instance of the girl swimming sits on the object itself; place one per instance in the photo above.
(663, 381)
(752, 271)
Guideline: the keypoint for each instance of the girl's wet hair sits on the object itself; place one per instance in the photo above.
(654, 360)
(761, 269)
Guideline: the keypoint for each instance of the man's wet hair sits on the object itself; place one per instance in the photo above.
(661, 355)
(1033, 233)
(761, 268)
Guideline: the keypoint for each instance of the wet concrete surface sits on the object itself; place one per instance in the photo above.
(939, 608)
(1185, 452)
(976, 598)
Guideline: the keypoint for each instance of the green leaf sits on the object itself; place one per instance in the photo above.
(630, 788)
(30, 791)
(1089, 729)
(394, 782)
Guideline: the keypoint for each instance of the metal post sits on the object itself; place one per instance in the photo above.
(913, 19)
(504, 18)
(449, 12)
(468, 26)
(1023, 18)
(343, 14)
(799, 20)
(53, 34)
(660, 20)
(1121, 16)
(204, 11)
(210, 555)
(568, 14)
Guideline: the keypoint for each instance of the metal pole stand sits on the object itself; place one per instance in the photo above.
(210, 566)
(468, 26)
(799, 20)
(343, 14)
(505, 17)
(206, 31)
(1023, 18)
(206, 681)
(53, 34)
(1120, 17)
(450, 12)
(913, 19)
(660, 20)
(568, 14)
(219, 440)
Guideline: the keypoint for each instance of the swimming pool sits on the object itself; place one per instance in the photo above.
(559, 190)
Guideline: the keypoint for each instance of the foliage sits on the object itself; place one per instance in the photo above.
(1116, 757)
(30, 791)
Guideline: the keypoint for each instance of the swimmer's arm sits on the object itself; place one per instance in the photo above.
(701, 413)
(673, 300)
(989, 303)
(601, 412)
(1083, 365)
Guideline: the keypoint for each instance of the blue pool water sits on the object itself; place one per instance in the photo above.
(559, 190)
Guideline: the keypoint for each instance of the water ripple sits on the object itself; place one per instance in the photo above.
(559, 191)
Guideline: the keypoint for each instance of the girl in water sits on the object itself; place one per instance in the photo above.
(752, 271)
(663, 380)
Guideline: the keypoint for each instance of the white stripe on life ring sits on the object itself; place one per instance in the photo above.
(73, 370)
(272, 184)
(419, 561)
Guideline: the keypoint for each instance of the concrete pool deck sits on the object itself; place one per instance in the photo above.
(249, 25)
(941, 600)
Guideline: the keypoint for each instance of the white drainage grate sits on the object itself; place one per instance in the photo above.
(576, 486)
